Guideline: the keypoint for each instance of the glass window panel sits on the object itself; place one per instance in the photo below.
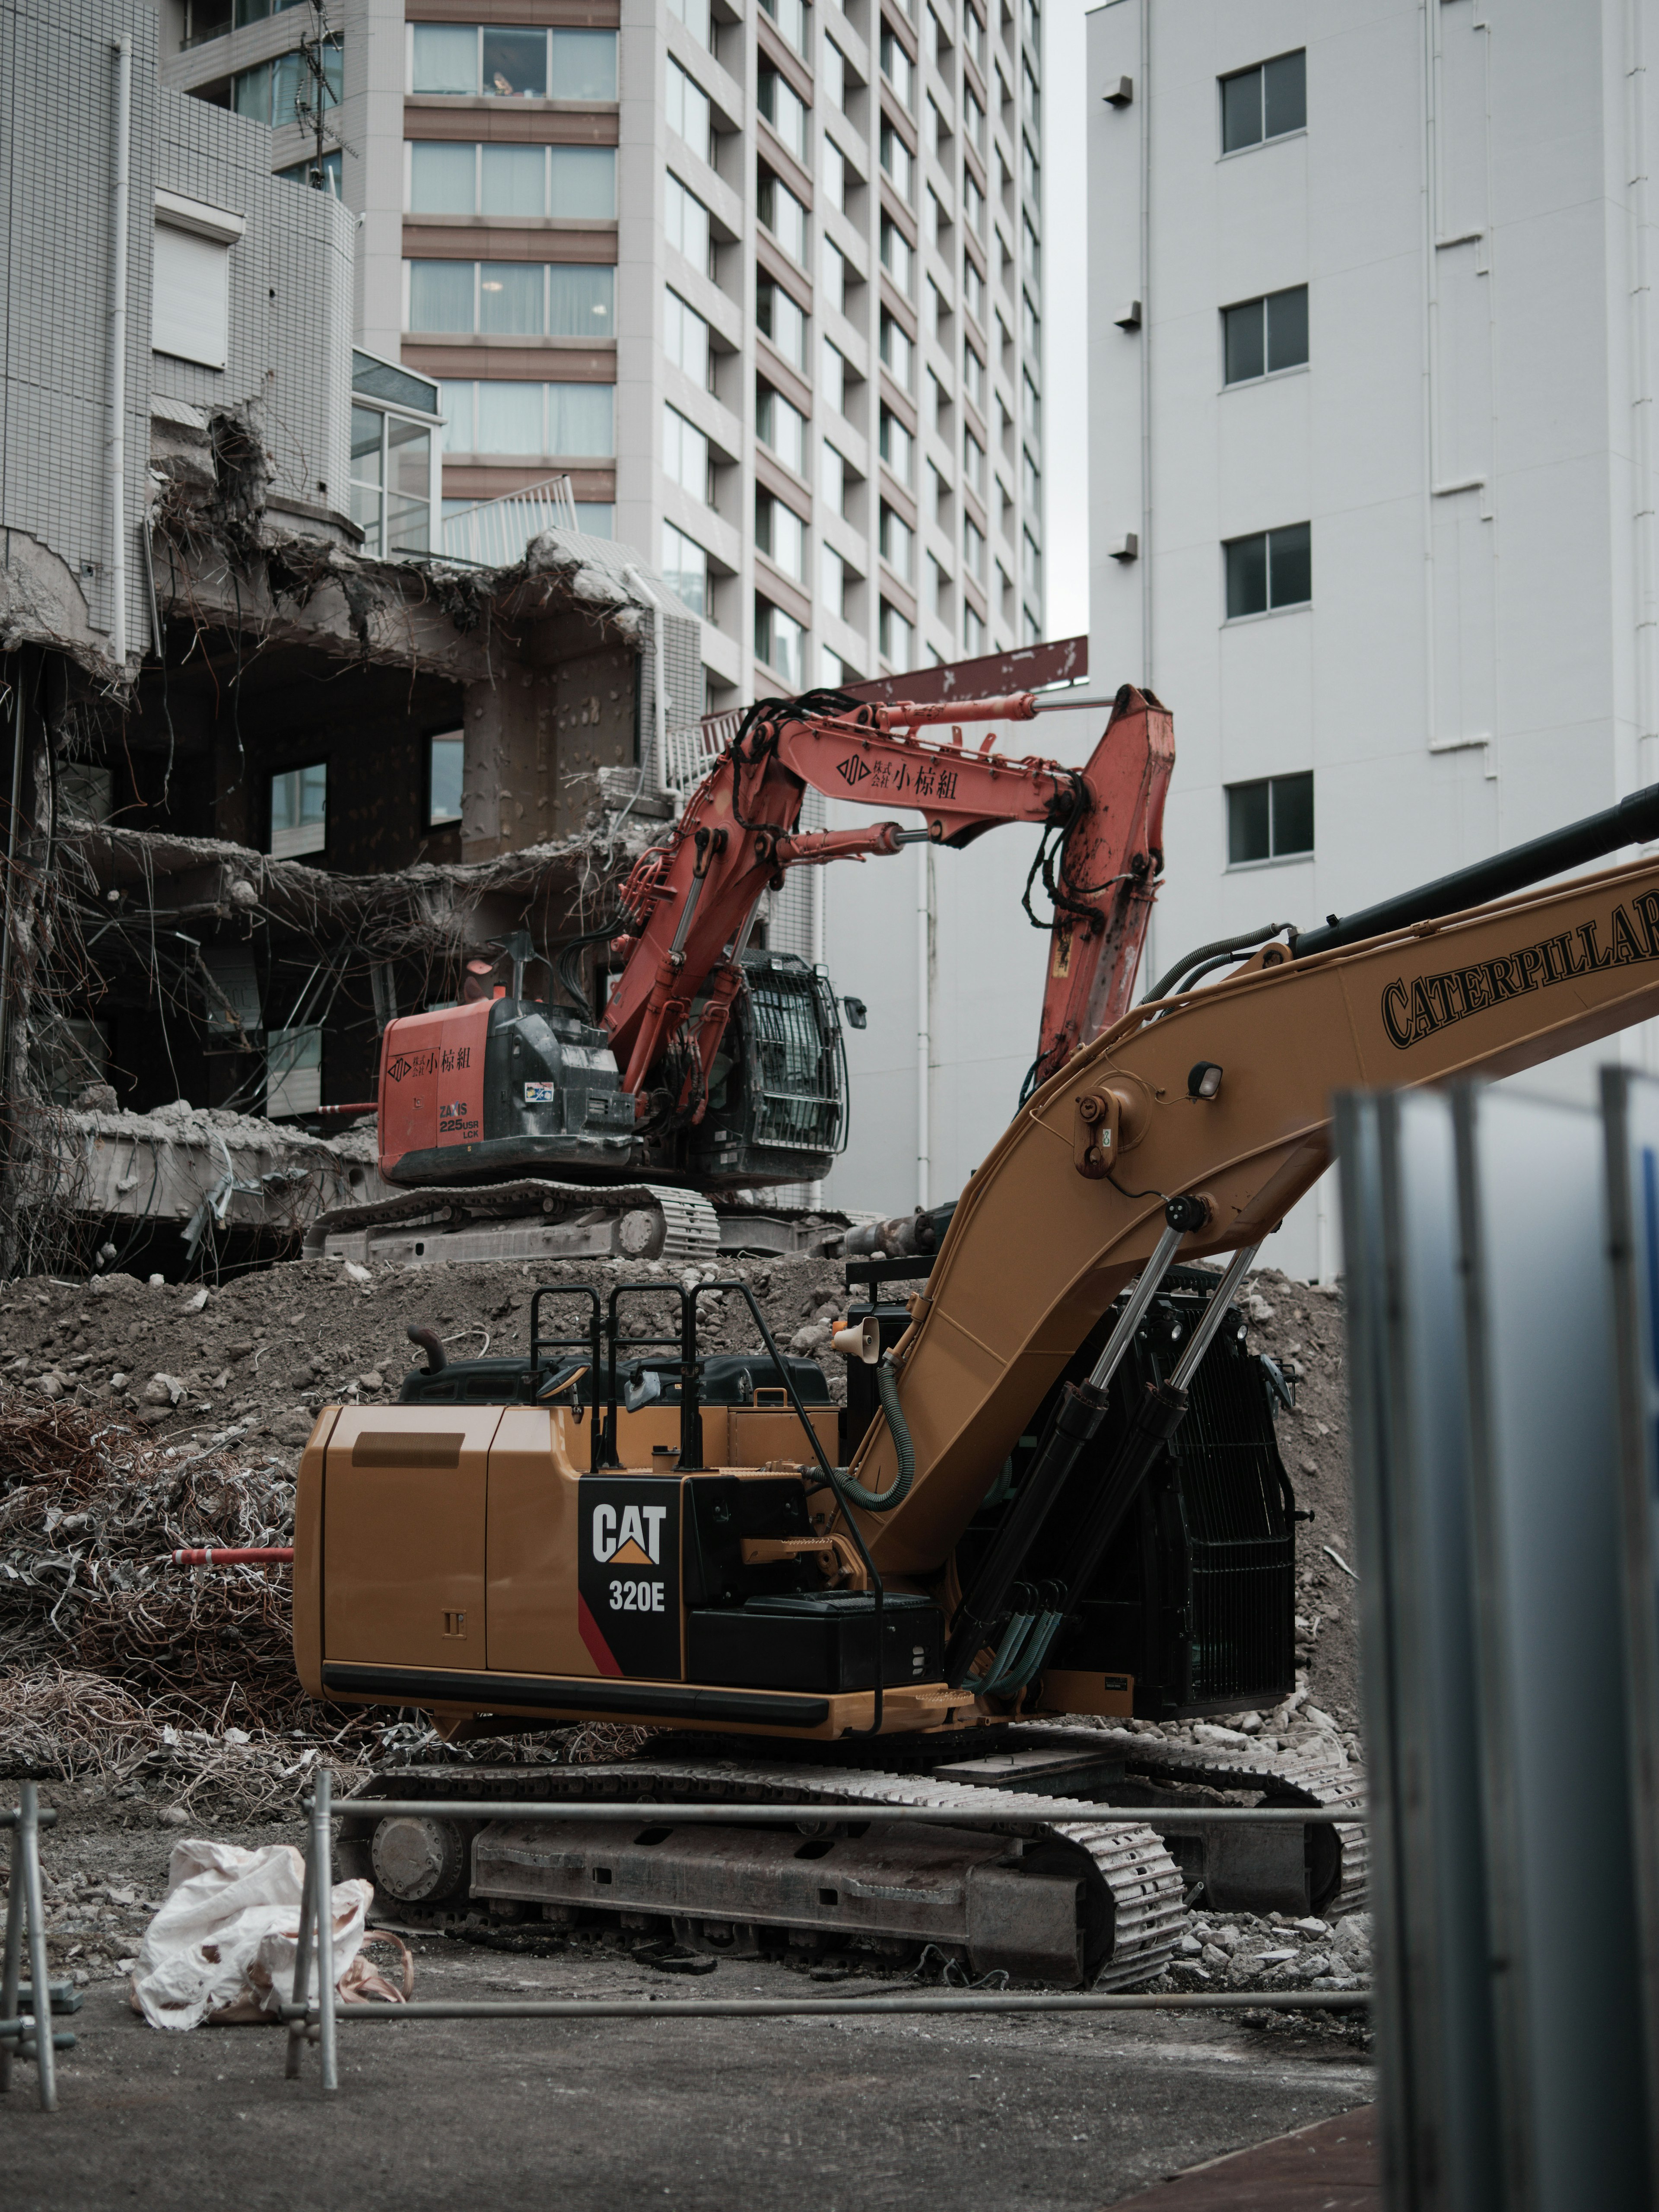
(1247, 576)
(596, 518)
(446, 761)
(782, 427)
(685, 569)
(509, 418)
(896, 351)
(833, 73)
(785, 111)
(409, 491)
(690, 112)
(832, 478)
(441, 295)
(1249, 833)
(896, 256)
(898, 160)
(584, 182)
(366, 443)
(685, 339)
(582, 420)
(445, 57)
(897, 543)
(782, 320)
(1284, 95)
(251, 93)
(441, 180)
(896, 637)
(1292, 814)
(513, 180)
(515, 64)
(897, 446)
(1241, 341)
(580, 299)
(1241, 110)
(1287, 328)
(896, 66)
(687, 223)
(695, 15)
(685, 454)
(510, 299)
(972, 547)
(455, 403)
(779, 641)
(792, 19)
(584, 64)
(973, 203)
(1290, 565)
(834, 274)
(832, 376)
(783, 215)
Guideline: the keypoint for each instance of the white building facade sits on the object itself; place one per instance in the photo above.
(763, 277)
(1372, 478)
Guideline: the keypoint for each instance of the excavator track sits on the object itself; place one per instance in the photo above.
(1119, 1882)
(530, 1218)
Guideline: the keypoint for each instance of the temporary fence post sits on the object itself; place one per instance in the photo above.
(10, 1975)
(322, 1885)
(28, 1846)
(296, 2028)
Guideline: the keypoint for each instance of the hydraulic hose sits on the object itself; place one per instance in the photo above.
(1215, 951)
(884, 1501)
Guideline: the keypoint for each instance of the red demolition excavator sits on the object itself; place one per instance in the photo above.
(514, 1126)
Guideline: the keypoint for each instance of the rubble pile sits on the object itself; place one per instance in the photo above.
(1236, 1951)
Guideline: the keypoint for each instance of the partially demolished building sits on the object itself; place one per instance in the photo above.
(266, 787)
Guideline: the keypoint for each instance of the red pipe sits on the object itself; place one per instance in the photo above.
(270, 1555)
(907, 713)
(324, 1112)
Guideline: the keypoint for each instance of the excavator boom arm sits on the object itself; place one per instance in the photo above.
(1069, 1204)
(693, 896)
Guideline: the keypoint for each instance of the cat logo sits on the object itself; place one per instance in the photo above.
(633, 1540)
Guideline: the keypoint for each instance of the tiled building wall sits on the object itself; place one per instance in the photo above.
(57, 84)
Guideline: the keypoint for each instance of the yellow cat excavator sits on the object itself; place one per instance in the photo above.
(654, 1536)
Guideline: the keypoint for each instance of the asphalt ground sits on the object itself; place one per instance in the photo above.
(1056, 2114)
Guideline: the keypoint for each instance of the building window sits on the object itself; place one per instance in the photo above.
(895, 637)
(299, 812)
(835, 579)
(1031, 566)
(897, 68)
(832, 75)
(390, 480)
(1033, 400)
(1270, 568)
(973, 629)
(1033, 482)
(898, 162)
(687, 225)
(458, 178)
(685, 569)
(1271, 819)
(279, 92)
(780, 534)
(329, 177)
(695, 16)
(1264, 102)
(972, 547)
(534, 422)
(779, 641)
(1260, 336)
(897, 255)
(685, 455)
(293, 1072)
(690, 113)
(897, 352)
(783, 320)
(898, 448)
(836, 275)
(1030, 169)
(782, 427)
(445, 760)
(898, 544)
(512, 299)
(785, 110)
(973, 288)
(1033, 98)
(190, 294)
(783, 215)
(473, 59)
(686, 340)
(794, 19)
(832, 375)
(973, 377)
(973, 203)
(834, 478)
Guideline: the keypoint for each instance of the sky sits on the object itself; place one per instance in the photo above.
(1066, 315)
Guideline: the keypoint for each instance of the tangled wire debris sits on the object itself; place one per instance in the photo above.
(117, 1665)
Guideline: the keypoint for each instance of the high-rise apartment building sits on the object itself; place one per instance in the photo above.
(1372, 365)
(764, 281)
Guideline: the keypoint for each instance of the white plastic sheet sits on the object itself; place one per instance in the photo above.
(223, 1945)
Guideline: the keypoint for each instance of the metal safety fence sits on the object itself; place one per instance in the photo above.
(25, 2006)
(311, 2020)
